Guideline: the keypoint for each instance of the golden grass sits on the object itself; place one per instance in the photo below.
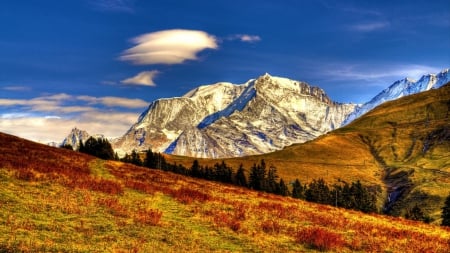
(43, 210)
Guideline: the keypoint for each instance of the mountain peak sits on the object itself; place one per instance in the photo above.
(401, 88)
(227, 120)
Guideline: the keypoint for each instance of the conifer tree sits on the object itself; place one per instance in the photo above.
(67, 146)
(135, 159)
(150, 159)
(283, 189)
(446, 213)
(318, 192)
(257, 176)
(195, 169)
(271, 185)
(298, 190)
(240, 178)
(97, 147)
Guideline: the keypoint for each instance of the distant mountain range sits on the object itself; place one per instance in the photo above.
(260, 116)
(400, 89)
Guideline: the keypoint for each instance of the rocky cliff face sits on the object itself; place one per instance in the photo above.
(226, 120)
(76, 135)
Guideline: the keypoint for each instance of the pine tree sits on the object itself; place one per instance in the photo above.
(446, 213)
(298, 190)
(318, 192)
(240, 178)
(81, 146)
(67, 146)
(150, 159)
(135, 159)
(97, 147)
(271, 185)
(258, 176)
(283, 189)
(361, 199)
(195, 169)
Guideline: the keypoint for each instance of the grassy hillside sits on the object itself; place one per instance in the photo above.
(54, 200)
(403, 146)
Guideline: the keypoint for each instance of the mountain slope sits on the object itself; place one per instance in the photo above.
(400, 89)
(226, 120)
(56, 200)
(402, 147)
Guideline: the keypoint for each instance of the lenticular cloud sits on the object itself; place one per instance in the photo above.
(168, 47)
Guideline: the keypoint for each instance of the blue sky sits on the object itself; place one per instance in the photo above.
(97, 64)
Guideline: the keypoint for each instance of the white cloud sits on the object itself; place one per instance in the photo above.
(54, 128)
(370, 26)
(144, 78)
(123, 102)
(17, 88)
(114, 101)
(246, 38)
(168, 47)
(50, 118)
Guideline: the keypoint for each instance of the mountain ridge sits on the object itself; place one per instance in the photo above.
(226, 120)
(401, 88)
(190, 124)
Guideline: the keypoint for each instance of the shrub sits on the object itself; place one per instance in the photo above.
(187, 196)
(320, 238)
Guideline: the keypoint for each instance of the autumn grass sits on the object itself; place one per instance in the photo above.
(45, 216)
(41, 215)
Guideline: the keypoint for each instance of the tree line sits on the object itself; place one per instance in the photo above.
(341, 194)
(265, 178)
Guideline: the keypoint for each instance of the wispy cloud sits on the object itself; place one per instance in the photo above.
(114, 101)
(245, 38)
(385, 74)
(370, 26)
(355, 10)
(113, 5)
(168, 47)
(143, 78)
(16, 88)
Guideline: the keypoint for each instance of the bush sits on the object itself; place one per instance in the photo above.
(320, 238)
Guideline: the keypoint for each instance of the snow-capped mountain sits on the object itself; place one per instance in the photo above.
(227, 120)
(400, 89)
(75, 135)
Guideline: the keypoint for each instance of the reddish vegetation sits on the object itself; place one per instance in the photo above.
(320, 238)
(148, 217)
(187, 195)
(96, 184)
(231, 208)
